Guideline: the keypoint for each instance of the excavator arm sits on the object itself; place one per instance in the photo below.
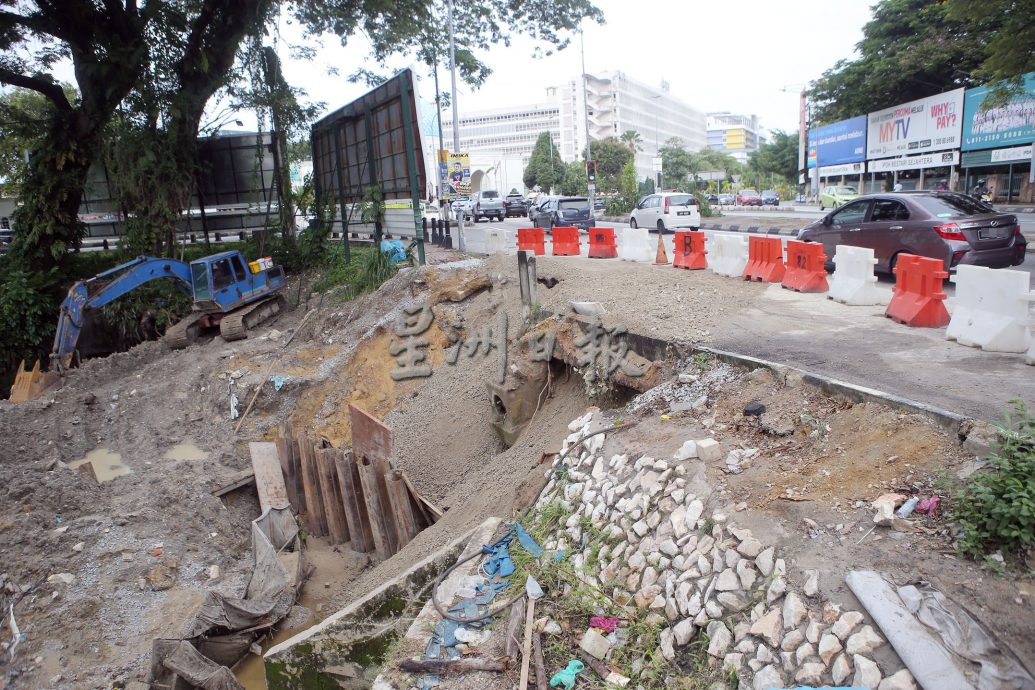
(102, 289)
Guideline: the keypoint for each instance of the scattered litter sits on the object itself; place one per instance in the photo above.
(594, 643)
(566, 677)
(929, 506)
(471, 637)
(16, 634)
(234, 414)
(754, 409)
(885, 508)
(687, 451)
(605, 623)
(907, 508)
(588, 308)
(278, 381)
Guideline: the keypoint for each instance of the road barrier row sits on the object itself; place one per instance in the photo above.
(992, 307)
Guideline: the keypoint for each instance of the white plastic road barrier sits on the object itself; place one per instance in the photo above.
(991, 310)
(728, 255)
(496, 240)
(853, 282)
(1030, 357)
(634, 245)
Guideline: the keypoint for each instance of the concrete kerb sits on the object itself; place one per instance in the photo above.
(329, 642)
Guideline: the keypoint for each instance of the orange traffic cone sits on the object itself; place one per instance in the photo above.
(661, 259)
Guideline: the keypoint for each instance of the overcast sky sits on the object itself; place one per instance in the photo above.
(735, 56)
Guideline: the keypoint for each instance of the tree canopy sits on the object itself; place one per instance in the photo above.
(611, 156)
(545, 168)
(912, 49)
(777, 157)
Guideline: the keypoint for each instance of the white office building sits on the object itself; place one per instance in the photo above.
(618, 103)
(504, 133)
(737, 135)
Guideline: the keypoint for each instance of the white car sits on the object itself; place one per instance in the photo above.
(667, 211)
(462, 204)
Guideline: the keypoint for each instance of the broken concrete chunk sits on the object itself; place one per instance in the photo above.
(846, 624)
(769, 627)
(687, 451)
(811, 587)
(720, 639)
(810, 674)
(903, 680)
(794, 611)
(708, 450)
(840, 669)
(764, 561)
(864, 641)
(829, 645)
(767, 679)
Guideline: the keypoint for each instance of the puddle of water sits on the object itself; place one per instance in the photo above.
(106, 464)
(185, 451)
(250, 671)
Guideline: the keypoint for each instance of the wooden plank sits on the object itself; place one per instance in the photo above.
(243, 478)
(333, 508)
(355, 506)
(427, 506)
(370, 439)
(311, 486)
(269, 477)
(402, 509)
(285, 441)
(381, 530)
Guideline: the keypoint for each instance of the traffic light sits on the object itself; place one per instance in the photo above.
(591, 172)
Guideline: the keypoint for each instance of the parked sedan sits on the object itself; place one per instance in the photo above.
(727, 199)
(562, 212)
(514, 205)
(770, 198)
(666, 211)
(834, 197)
(748, 197)
(951, 227)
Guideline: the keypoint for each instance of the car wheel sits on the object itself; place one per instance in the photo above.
(822, 207)
(661, 226)
(632, 222)
(893, 263)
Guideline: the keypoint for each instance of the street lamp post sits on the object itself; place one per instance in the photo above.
(659, 172)
(585, 104)
(460, 244)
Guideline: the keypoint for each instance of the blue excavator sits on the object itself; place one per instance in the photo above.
(228, 292)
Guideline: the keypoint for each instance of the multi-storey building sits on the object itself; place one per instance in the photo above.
(617, 103)
(737, 135)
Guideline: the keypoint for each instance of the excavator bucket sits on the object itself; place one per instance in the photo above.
(29, 385)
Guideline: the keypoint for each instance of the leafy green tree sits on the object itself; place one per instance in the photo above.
(645, 187)
(574, 183)
(21, 112)
(632, 139)
(912, 49)
(611, 156)
(778, 156)
(1009, 26)
(545, 168)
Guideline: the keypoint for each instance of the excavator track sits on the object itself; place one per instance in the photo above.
(235, 326)
(184, 332)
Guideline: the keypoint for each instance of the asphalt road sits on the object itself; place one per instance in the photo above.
(476, 233)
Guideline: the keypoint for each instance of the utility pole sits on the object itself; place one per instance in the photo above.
(460, 244)
(585, 103)
(441, 142)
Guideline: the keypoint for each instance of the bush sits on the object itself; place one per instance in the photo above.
(996, 508)
(706, 208)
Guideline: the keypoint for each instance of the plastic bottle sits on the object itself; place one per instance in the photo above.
(907, 508)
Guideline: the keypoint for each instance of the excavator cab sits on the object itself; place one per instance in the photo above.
(223, 282)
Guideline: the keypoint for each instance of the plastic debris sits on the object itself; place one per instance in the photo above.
(907, 508)
(929, 506)
(278, 381)
(526, 541)
(605, 623)
(566, 676)
(17, 635)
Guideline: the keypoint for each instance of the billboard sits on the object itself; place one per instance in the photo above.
(1006, 125)
(838, 143)
(924, 160)
(928, 124)
(458, 179)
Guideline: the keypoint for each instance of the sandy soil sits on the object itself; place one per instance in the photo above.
(142, 404)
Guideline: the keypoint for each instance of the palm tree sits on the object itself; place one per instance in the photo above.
(632, 139)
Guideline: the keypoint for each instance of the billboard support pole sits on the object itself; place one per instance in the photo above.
(368, 120)
(411, 160)
(340, 164)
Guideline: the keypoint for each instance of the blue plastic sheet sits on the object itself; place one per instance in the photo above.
(395, 250)
(527, 541)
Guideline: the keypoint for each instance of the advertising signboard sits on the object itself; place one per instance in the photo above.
(927, 124)
(1002, 126)
(838, 143)
(926, 160)
(458, 182)
(845, 169)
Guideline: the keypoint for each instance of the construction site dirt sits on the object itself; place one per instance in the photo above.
(167, 416)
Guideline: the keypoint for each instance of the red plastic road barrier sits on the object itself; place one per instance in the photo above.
(689, 250)
(532, 240)
(565, 241)
(918, 299)
(805, 271)
(602, 243)
(765, 259)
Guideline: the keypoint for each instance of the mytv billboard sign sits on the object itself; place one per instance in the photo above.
(838, 143)
(927, 124)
